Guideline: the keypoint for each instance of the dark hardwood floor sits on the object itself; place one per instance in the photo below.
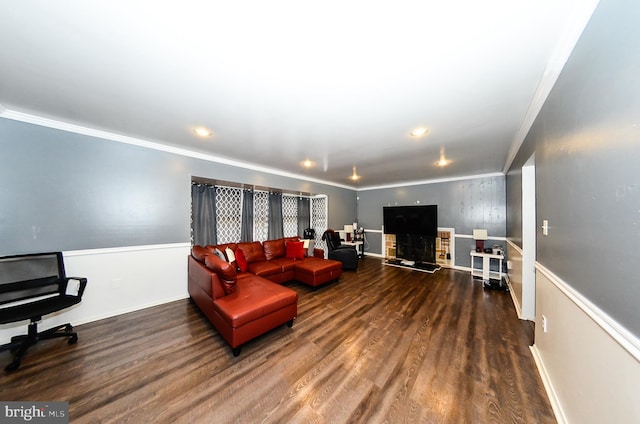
(383, 344)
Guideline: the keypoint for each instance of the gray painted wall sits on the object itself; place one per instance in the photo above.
(514, 205)
(587, 145)
(463, 205)
(65, 191)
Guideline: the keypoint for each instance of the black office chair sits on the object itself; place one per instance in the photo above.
(340, 252)
(32, 286)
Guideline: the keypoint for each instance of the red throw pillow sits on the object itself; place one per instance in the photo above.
(295, 249)
(241, 260)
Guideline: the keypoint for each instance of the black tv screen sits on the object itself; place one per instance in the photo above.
(421, 219)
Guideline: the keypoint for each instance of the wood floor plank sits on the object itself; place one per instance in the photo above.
(383, 344)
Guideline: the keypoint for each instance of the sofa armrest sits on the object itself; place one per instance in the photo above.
(202, 281)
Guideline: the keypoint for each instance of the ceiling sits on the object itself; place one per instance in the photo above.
(341, 84)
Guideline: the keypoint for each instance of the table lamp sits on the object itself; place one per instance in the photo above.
(480, 236)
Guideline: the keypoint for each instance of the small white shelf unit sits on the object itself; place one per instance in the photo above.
(485, 272)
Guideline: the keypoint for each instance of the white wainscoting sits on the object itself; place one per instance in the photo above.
(590, 365)
(120, 280)
(514, 276)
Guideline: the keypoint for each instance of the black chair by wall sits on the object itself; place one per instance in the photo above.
(32, 286)
(340, 252)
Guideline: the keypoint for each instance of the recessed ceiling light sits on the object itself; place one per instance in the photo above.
(308, 164)
(354, 176)
(443, 159)
(419, 132)
(202, 132)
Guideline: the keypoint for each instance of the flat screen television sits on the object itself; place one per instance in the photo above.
(416, 219)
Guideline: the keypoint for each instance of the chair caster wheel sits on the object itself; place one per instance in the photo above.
(13, 366)
(72, 340)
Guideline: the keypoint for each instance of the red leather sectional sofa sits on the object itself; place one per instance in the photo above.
(243, 304)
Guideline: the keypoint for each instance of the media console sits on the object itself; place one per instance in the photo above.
(415, 247)
(417, 266)
(415, 228)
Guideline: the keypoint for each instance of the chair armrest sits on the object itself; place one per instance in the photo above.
(73, 286)
(345, 247)
(343, 253)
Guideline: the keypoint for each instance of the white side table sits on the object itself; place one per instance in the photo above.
(485, 271)
(359, 246)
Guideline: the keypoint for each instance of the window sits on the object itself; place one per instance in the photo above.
(260, 215)
(319, 218)
(290, 215)
(228, 214)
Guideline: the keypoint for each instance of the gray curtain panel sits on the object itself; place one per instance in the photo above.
(203, 214)
(276, 226)
(304, 215)
(246, 228)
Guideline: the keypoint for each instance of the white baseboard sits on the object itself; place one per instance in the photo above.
(548, 386)
(514, 298)
(138, 307)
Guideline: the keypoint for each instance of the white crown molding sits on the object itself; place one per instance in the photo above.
(620, 334)
(105, 135)
(556, 63)
(155, 145)
(434, 181)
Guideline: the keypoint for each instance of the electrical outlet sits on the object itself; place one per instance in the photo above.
(544, 324)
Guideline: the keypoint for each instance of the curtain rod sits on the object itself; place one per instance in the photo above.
(231, 184)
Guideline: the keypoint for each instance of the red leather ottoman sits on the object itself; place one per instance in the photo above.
(315, 272)
(257, 306)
